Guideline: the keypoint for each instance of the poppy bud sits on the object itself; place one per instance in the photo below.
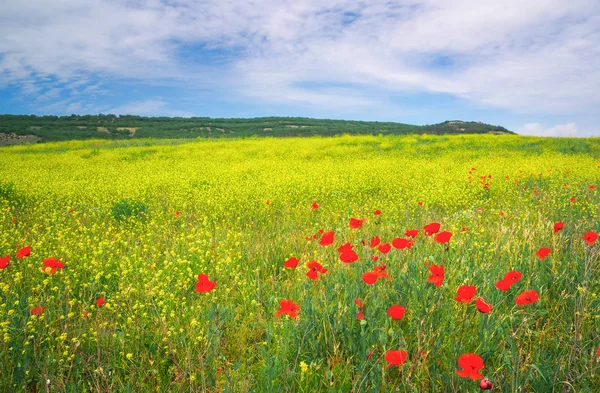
(485, 384)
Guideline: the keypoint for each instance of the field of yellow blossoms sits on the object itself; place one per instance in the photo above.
(344, 264)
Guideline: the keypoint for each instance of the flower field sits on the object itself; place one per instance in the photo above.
(345, 264)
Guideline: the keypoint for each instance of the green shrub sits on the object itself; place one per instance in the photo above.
(129, 208)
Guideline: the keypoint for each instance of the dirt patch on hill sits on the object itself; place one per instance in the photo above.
(14, 139)
(102, 129)
(131, 130)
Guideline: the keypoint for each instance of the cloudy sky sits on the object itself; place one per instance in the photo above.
(532, 66)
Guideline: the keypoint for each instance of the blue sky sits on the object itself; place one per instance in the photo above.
(532, 66)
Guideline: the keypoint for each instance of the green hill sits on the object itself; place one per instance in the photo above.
(24, 128)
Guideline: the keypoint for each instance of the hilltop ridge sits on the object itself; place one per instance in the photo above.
(14, 128)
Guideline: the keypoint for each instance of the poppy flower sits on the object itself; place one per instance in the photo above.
(51, 265)
(369, 354)
(100, 302)
(464, 229)
(465, 293)
(471, 364)
(443, 237)
(326, 238)
(558, 226)
(592, 187)
(543, 252)
(204, 285)
(370, 278)
(359, 303)
(347, 254)
(374, 242)
(291, 263)
(395, 358)
(377, 212)
(380, 271)
(384, 248)
(360, 316)
(482, 306)
(396, 312)
(24, 252)
(527, 297)
(374, 257)
(485, 384)
(37, 310)
(4, 262)
(346, 247)
(401, 243)
(431, 229)
(314, 206)
(356, 222)
(598, 352)
(590, 238)
(573, 199)
(437, 275)
(287, 307)
(509, 279)
(420, 203)
(314, 268)
(411, 233)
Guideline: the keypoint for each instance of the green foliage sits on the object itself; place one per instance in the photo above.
(129, 208)
(53, 128)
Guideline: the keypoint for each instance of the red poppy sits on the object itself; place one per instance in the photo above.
(598, 352)
(543, 252)
(356, 222)
(464, 229)
(437, 275)
(375, 242)
(359, 303)
(177, 213)
(24, 252)
(51, 265)
(592, 187)
(396, 312)
(527, 297)
(384, 248)
(370, 278)
(380, 271)
(291, 263)
(4, 262)
(443, 237)
(347, 254)
(485, 384)
(360, 316)
(204, 284)
(465, 293)
(590, 238)
(420, 203)
(395, 358)
(432, 228)
(471, 364)
(558, 226)
(482, 306)
(286, 306)
(326, 238)
(377, 212)
(100, 302)
(374, 257)
(37, 310)
(315, 206)
(509, 279)
(401, 243)
(573, 199)
(267, 202)
(411, 233)
(314, 268)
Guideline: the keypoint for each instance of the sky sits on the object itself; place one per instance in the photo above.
(532, 66)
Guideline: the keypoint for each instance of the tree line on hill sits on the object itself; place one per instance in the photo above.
(56, 128)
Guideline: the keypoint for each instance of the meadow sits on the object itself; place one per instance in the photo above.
(181, 265)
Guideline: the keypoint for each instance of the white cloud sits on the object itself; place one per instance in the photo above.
(536, 129)
(538, 56)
